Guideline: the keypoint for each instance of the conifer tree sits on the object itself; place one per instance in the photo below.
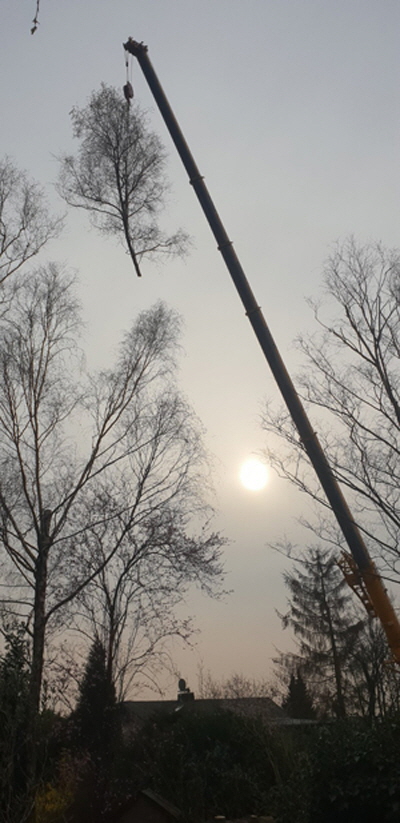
(298, 702)
(13, 720)
(95, 715)
(322, 615)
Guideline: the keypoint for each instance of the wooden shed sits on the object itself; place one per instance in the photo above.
(147, 807)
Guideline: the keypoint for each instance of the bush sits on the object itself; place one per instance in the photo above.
(348, 772)
(208, 764)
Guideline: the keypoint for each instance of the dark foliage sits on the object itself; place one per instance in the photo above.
(95, 718)
(327, 629)
(13, 721)
(208, 764)
(298, 703)
(357, 774)
(344, 772)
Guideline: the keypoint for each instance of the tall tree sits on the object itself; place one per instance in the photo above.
(352, 376)
(69, 445)
(118, 175)
(321, 614)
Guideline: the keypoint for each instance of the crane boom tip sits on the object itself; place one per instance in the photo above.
(134, 47)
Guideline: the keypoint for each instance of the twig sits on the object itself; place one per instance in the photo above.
(35, 20)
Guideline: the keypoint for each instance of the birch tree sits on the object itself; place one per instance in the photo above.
(119, 448)
(351, 382)
(118, 176)
(26, 224)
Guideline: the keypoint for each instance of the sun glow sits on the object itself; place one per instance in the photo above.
(254, 474)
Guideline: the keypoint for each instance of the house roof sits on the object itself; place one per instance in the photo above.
(141, 710)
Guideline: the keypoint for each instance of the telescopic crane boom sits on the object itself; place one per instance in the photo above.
(360, 569)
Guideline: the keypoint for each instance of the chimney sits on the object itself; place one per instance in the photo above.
(184, 693)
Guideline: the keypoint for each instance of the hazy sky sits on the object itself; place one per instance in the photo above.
(292, 111)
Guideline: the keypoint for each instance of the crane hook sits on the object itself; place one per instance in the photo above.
(128, 92)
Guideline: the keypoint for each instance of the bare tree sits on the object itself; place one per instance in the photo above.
(373, 681)
(142, 520)
(234, 687)
(118, 175)
(67, 447)
(352, 377)
(25, 222)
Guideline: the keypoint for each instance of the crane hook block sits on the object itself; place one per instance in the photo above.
(134, 47)
(128, 92)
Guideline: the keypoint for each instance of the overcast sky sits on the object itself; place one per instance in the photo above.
(291, 109)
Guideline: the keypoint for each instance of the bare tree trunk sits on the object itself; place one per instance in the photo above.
(130, 245)
(110, 644)
(340, 708)
(39, 628)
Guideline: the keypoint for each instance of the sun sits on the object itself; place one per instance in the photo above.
(253, 474)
